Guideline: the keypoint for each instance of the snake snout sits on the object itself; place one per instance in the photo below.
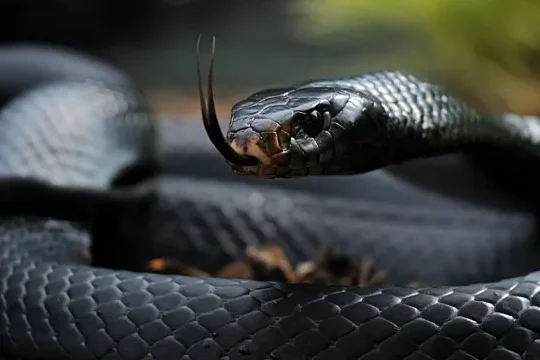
(248, 142)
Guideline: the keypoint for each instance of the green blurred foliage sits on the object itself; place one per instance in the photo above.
(486, 47)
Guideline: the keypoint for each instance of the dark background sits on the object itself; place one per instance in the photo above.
(488, 53)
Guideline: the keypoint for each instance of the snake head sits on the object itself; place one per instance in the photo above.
(309, 129)
(298, 131)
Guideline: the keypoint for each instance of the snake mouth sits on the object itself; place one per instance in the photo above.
(250, 147)
(209, 116)
(265, 146)
(273, 156)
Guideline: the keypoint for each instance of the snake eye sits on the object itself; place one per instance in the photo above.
(311, 124)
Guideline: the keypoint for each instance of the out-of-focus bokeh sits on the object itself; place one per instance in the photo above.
(487, 51)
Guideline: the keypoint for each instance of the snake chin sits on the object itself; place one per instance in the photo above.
(250, 147)
(278, 172)
(260, 171)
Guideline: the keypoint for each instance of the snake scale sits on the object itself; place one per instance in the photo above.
(78, 159)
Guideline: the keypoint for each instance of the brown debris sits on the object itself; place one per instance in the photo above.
(269, 263)
(339, 269)
(173, 266)
(236, 270)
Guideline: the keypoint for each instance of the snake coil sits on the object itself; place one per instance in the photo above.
(80, 144)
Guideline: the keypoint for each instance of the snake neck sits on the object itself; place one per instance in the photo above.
(414, 119)
(396, 138)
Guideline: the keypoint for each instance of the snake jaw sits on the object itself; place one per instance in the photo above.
(250, 145)
(267, 145)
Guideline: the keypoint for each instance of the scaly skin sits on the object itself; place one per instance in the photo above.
(54, 305)
(374, 120)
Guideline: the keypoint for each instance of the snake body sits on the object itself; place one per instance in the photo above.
(89, 139)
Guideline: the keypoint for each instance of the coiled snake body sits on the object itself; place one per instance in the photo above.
(92, 146)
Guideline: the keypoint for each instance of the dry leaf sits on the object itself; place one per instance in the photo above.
(335, 268)
(269, 263)
(368, 276)
(236, 270)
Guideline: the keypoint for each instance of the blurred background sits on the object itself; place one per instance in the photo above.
(488, 52)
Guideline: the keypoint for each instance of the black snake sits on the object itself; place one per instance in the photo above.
(78, 143)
